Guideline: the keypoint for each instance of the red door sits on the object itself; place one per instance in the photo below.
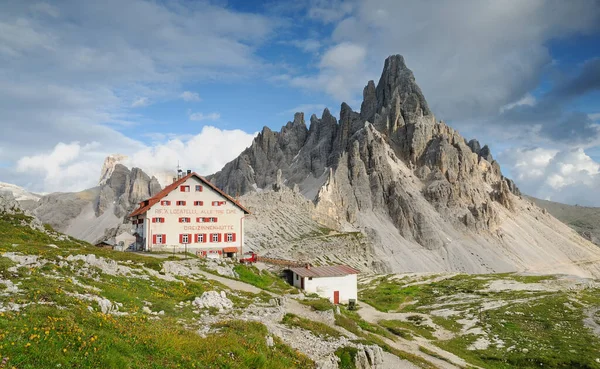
(336, 297)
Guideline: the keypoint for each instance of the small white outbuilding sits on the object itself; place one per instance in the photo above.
(338, 283)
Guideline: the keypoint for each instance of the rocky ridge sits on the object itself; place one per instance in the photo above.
(98, 213)
(428, 199)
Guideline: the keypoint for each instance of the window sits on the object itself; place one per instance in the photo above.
(218, 203)
(198, 188)
(215, 237)
(199, 220)
(198, 203)
(140, 221)
(200, 237)
(184, 188)
(310, 278)
(184, 220)
(158, 220)
(180, 203)
(212, 220)
(185, 238)
(229, 237)
(296, 276)
(165, 203)
(159, 239)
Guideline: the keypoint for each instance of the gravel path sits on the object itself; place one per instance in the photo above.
(372, 315)
(295, 307)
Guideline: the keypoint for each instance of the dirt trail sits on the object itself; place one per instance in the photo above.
(295, 307)
(372, 315)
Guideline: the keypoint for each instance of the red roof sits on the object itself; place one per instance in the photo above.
(147, 204)
(325, 271)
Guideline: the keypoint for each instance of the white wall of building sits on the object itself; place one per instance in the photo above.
(325, 286)
(229, 220)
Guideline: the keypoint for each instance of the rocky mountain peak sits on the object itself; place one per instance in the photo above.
(109, 166)
(397, 82)
(392, 158)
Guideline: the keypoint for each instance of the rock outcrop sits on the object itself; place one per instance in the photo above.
(425, 198)
(346, 167)
(98, 213)
(109, 166)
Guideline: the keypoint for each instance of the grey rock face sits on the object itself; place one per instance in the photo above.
(8, 203)
(121, 192)
(353, 156)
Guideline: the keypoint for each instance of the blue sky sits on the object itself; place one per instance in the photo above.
(193, 81)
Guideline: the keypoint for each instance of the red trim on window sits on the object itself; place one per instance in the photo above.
(164, 239)
(220, 237)
(234, 237)
(154, 239)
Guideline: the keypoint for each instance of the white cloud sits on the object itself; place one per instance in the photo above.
(328, 11)
(204, 153)
(75, 166)
(307, 109)
(337, 65)
(68, 167)
(464, 68)
(190, 96)
(595, 117)
(528, 100)
(140, 102)
(202, 116)
(568, 176)
(73, 73)
(309, 45)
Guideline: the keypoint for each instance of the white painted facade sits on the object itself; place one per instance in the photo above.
(200, 217)
(347, 285)
(126, 238)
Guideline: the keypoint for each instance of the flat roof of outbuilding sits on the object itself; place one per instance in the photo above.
(325, 271)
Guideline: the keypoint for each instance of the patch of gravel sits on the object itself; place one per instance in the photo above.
(30, 261)
(11, 288)
(500, 285)
(105, 305)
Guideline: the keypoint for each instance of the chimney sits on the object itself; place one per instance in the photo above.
(174, 179)
(189, 171)
(307, 266)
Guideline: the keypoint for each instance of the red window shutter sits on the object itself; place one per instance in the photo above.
(164, 238)
(180, 238)
(153, 220)
(205, 238)
(154, 239)
(220, 237)
(234, 237)
(182, 188)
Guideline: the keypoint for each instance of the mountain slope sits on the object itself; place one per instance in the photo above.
(585, 220)
(98, 213)
(426, 198)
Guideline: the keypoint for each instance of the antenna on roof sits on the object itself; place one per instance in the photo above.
(179, 171)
